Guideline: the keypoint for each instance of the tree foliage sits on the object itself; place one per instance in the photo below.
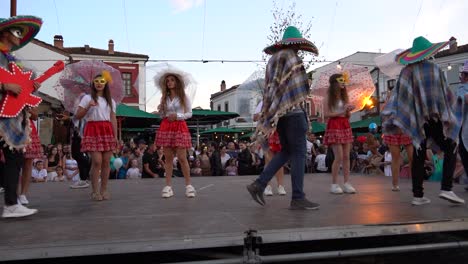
(282, 18)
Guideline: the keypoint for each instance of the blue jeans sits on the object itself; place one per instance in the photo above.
(291, 129)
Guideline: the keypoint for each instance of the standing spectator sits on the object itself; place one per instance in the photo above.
(205, 163)
(320, 164)
(244, 160)
(232, 150)
(215, 160)
(286, 88)
(224, 158)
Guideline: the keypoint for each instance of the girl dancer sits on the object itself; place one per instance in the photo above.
(99, 138)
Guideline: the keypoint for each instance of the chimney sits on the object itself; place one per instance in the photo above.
(223, 86)
(58, 41)
(111, 47)
(453, 46)
(87, 48)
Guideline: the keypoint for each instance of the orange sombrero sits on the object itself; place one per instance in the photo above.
(421, 49)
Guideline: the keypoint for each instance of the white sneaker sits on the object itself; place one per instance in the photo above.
(336, 189)
(167, 192)
(396, 188)
(268, 191)
(17, 210)
(348, 188)
(281, 190)
(420, 201)
(79, 185)
(451, 197)
(190, 191)
(2, 190)
(22, 199)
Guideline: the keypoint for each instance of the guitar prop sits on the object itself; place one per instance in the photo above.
(11, 104)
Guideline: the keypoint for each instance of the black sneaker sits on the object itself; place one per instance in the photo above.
(303, 204)
(256, 192)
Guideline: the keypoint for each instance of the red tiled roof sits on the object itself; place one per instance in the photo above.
(102, 52)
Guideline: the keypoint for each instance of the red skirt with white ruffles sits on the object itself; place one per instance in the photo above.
(338, 131)
(34, 150)
(173, 134)
(98, 137)
(397, 139)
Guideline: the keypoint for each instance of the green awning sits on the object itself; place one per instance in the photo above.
(365, 122)
(128, 111)
(206, 117)
(318, 127)
(222, 130)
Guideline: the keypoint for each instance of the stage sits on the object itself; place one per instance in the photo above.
(138, 220)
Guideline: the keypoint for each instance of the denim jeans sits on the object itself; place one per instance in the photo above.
(291, 129)
(434, 130)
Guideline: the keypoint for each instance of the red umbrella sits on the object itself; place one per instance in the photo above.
(76, 80)
(360, 86)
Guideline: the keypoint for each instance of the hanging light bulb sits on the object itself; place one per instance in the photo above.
(449, 67)
(339, 67)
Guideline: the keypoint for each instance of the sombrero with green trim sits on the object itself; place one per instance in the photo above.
(29, 25)
(292, 38)
(422, 49)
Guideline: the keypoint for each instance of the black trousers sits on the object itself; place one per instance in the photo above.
(434, 130)
(10, 173)
(84, 164)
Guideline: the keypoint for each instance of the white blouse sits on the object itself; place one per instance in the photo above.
(174, 106)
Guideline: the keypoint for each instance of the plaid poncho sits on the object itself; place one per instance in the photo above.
(421, 93)
(461, 111)
(286, 86)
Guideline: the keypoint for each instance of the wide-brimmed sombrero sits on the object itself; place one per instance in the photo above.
(292, 38)
(421, 49)
(29, 25)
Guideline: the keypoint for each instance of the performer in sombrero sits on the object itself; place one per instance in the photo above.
(421, 107)
(15, 32)
(286, 88)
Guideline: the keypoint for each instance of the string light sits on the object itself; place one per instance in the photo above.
(449, 67)
(338, 66)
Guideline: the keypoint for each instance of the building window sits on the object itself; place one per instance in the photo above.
(219, 108)
(127, 83)
(391, 84)
(226, 107)
(308, 108)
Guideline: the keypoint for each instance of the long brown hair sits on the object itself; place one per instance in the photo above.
(335, 93)
(106, 92)
(179, 91)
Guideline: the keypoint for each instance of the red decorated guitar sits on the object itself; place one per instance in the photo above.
(11, 104)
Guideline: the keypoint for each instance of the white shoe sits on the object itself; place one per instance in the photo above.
(281, 190)
(190, 191)
(348, 188)
(268, 191)
(336, 189)
(451, 197)
(2, 190)
(420, 201)
(17, 210)
(395, 188)
(79, 185)
(22, 199)
(167, 192)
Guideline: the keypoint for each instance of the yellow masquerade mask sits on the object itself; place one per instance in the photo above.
(344, 79)
(100, 80)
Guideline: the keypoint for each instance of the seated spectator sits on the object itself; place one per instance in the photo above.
(195, 169)
(231, 168)
(133, 172)
(320, 160)
(39, 174)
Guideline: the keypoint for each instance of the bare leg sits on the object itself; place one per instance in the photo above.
(26, 176)
(96, 161)
(396, 162)
(345, 160)
(169, 164)
(182, 157)
(105, 170)
(338, 152)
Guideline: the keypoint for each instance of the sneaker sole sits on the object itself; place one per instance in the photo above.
(167, 196)
(304, 208)
(450, 200)
(19, 215)
(254, 196)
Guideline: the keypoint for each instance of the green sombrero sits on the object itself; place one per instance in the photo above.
(29, 25)
(422, 49)
(292, 38)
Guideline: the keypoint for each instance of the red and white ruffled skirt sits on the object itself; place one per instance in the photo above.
(98, 137)
(397, 139)
(34, 150)
(173, 134)
(274, 142)
(338, 131)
